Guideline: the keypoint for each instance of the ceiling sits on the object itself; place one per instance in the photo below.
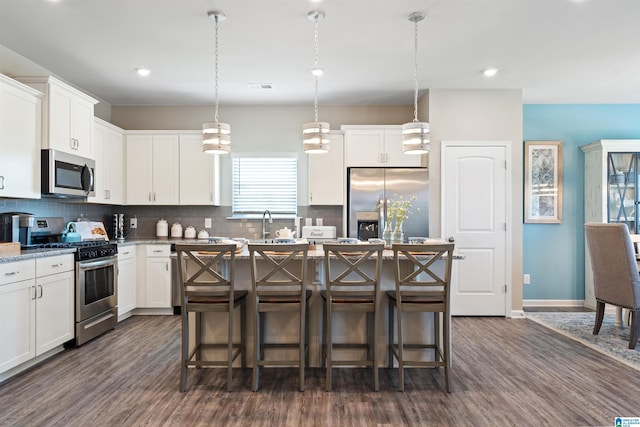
(556, 51)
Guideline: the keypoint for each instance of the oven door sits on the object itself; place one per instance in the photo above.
(96, 287)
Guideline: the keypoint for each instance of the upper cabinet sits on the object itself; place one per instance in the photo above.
(67, 116)
(152, 169)
(327, 174)
(108, 143)
(377, 146)
(199, 173)
(20, 133)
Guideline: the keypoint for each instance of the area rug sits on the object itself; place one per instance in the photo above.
(612, 341)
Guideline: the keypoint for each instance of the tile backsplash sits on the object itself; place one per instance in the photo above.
(148, 216)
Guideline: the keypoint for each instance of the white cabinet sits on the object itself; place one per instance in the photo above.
(152, 171)
(326, 177)
(17, 313)
(606, 198)
(154, 291)
(67, 116)
(199, 173)
(109, 152)
(55, 296)
(20, 135)
(375, 146)
(126, 279)
(36, 307)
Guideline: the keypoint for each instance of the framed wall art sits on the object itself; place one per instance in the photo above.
(543, 182)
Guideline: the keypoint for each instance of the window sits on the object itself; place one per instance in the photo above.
(261, 183)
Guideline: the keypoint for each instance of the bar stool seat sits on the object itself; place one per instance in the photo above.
(278, 282)
(422, 285)
(352, 286)
(206, 274)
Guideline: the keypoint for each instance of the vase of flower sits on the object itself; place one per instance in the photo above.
(398, 234)
(386, 233)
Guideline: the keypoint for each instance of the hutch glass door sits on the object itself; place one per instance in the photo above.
(622, 181)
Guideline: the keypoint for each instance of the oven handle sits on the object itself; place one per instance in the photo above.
(103, 262)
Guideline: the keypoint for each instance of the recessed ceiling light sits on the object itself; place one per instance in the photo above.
(144, 72)
(260, 86)
(317, 71)
(489, 72)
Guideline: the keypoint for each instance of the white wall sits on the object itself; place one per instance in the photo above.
(479, 115)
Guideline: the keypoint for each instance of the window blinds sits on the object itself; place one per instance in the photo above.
(261, 183)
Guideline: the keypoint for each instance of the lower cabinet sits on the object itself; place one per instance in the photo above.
(36, 307)
(154, 286)
(126, 280)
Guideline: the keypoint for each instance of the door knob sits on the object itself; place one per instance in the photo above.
(451, 239)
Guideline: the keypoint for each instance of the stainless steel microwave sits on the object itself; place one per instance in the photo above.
(66, 175)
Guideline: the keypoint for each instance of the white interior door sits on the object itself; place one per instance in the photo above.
(475, 204)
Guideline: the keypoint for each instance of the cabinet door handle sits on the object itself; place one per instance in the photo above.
(167, 266)
(1, 182)
(154, 196)
(149, 196)
(126, 253)
(386, 157)
(157, 251)
(34, 293)
(56, 265)
(12, 273)
(40, 287)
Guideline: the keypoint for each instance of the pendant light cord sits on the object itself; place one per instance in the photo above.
(216, 72)
(415, 73)
(315, 94)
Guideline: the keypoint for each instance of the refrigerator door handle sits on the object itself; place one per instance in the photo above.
(382, 210)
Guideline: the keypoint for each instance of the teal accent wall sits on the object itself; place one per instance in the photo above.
(553, 254)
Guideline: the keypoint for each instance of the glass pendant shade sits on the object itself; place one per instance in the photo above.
(216, 138)
(315, 137)
(415, 138)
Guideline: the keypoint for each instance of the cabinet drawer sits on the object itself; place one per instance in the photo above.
(54, 264)
(17, 271)
(126, 252)
(158, 251)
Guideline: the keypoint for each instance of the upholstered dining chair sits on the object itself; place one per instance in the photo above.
(206, 274)
(423, 282)
(352, 277)
(278, 277)
(615, 273)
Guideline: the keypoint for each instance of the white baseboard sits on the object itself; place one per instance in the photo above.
(553, 303)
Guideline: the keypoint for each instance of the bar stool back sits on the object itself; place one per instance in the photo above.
(207, 285)
(352, 277)
(422, 285)
(278, 273)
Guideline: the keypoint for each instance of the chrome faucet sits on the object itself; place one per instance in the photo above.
(264, 225)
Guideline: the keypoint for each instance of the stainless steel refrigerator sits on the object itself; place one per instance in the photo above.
(371, 189)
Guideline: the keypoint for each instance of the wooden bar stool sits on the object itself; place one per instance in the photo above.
(421, 286)
(207, 285)
(353, 285)
(278, 278)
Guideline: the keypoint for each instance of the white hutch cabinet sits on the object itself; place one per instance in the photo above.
(610, 182)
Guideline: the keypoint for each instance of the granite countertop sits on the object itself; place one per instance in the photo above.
(36, 253)
(313, 254)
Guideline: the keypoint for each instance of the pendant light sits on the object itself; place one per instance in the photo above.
(315, 135)
(216, 136)
(415, 134)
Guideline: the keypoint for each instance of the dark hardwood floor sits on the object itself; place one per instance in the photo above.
(505, 372)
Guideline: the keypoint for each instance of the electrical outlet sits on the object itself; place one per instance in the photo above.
(133, 222)
(526, 279)
(207, 223)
